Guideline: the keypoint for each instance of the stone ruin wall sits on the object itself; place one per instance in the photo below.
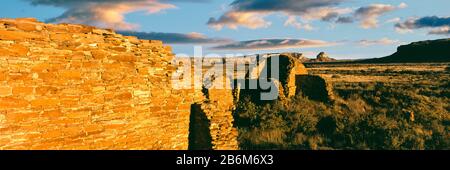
(78, 87)
(221, 96)
(70, 86)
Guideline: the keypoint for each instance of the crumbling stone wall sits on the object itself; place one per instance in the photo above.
(218, 108)
(214, 112)
(78, 87)
(288, 66)
(315, 88)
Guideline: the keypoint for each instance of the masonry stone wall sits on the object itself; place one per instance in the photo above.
(78, 87)
(218, 108)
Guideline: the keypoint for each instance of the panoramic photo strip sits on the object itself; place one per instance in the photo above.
(225, 83)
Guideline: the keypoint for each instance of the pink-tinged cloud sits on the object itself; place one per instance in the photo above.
(104, 13)
(251, 13)
(274, 44)
(233, 20)
(177, 38)
(440, 31)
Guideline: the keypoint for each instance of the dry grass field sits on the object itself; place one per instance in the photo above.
(377, 106)
(387, 73)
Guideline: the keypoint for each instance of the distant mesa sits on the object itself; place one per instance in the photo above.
(422, 51)
(321, 57)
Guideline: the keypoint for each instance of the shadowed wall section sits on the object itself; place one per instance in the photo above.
(199, 133)
(314, 87)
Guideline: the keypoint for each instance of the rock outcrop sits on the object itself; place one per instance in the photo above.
(322, 57)
(299, 56)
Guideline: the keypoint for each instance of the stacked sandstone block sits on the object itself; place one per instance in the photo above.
(71, 86)
(218, 108)
(216, 104)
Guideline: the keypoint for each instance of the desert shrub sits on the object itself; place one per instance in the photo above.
(351, 123)
(409, 111)
(279, 125)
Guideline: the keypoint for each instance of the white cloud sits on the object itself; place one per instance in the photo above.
(369, 14)
(382, 41)
(394, 20)
(402, 5)
(292, 21)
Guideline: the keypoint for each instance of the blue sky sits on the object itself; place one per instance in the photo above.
(398, 22)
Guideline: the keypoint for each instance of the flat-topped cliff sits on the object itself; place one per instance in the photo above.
(421, 51)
